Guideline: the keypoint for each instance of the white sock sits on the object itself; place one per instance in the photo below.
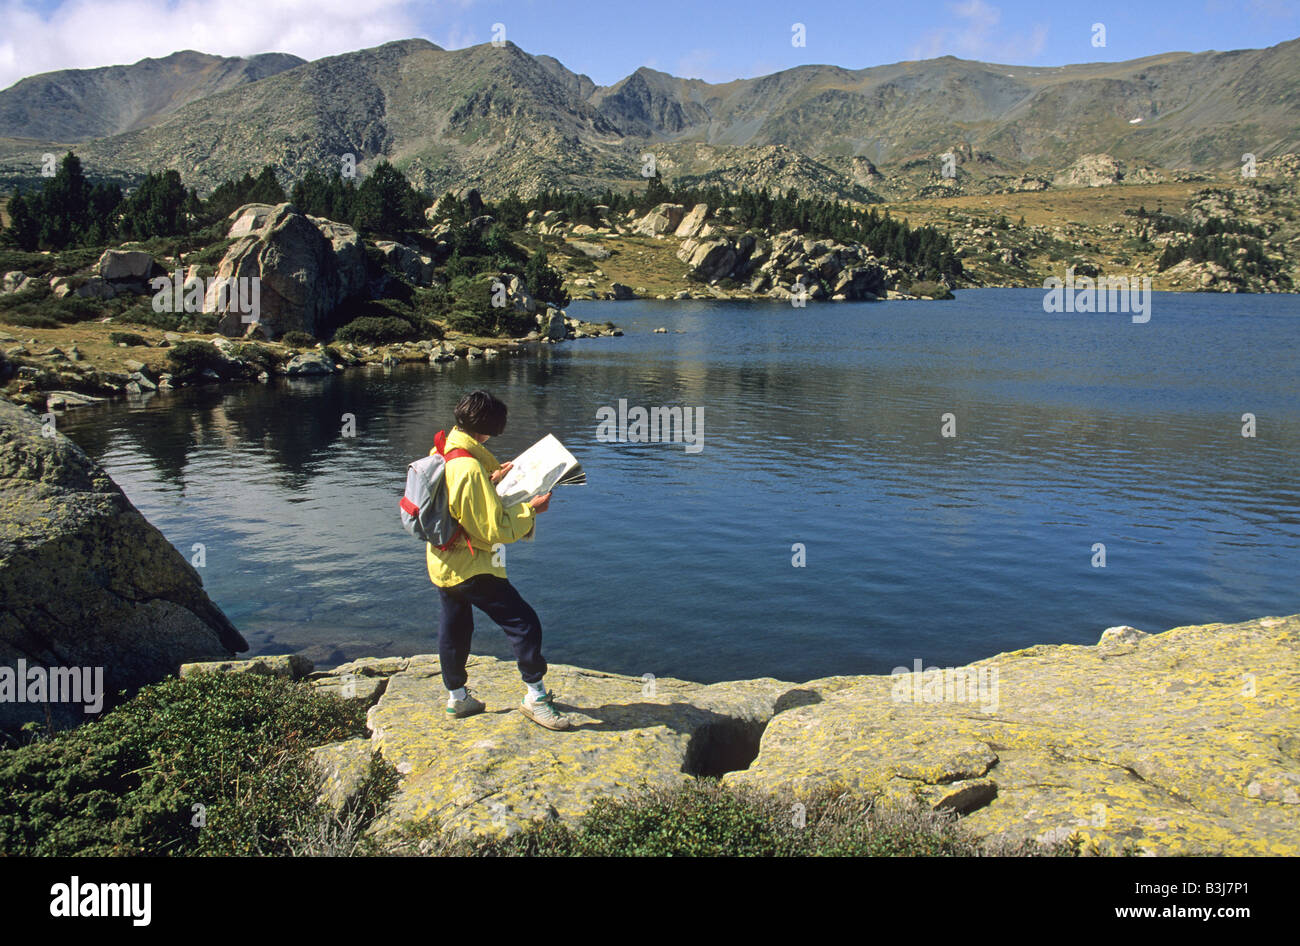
(454, 695)
(536, 690)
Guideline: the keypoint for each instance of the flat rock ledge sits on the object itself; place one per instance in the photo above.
(1183, 742)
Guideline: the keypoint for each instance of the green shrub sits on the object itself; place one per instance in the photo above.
(35, 295)
(369, 330)
(192, 358)
(73, 261)
(33, 264)
(40, 306)
(28, 319)
(470, 322)
(431, 303)
(201, 322)
(705, 818)
(127, 338)
(258, 357)
(142, 313)
(129, 783)
(297, 339)
(76, 309)
(209, 255)
(398, 292)
(701, 820)
(472, 311)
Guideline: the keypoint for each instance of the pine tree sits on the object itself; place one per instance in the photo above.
(544, 282)
(266, 189)
(23, 229)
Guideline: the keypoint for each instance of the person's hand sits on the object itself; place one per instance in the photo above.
(540, 503)
(501, 472)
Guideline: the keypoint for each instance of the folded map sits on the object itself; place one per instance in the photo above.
(539, 469)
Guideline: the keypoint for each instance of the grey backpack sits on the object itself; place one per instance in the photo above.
(426, 513)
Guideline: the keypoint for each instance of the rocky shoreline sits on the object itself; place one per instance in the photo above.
(49, 368)
(1181, 742)
(52, 369)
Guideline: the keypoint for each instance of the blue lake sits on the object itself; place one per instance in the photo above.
(822, 429)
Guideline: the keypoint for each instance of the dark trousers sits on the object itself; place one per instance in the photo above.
(499, 600)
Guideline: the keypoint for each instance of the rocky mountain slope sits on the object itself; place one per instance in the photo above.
(79, 104)
(499, 118)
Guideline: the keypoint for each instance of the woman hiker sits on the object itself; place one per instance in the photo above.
(465, 575)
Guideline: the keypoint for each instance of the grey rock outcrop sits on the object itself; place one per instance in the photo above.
(305, 267)
(692, 222)
(134, 266)
(836, 270)
(17, 281)
(407, 260)
(1091, 170)
(555, 328)
(311, 362)
(663, 219)
(85, 579)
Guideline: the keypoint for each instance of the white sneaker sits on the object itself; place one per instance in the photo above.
(541, 710)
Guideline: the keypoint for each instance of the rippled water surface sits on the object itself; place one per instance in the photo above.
(821, 427)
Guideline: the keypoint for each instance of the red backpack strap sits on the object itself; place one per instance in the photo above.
(455, 453)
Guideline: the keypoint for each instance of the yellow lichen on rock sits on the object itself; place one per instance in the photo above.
(1182, 742)
(493, 773)
(1165, 743)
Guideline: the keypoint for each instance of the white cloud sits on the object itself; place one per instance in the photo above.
(973, 32)
(83, 34)
(456, 37)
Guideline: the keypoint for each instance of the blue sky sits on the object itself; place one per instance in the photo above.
(714, 40)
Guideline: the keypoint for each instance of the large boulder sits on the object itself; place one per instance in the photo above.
(126, 266)
(590, 250)
(471, 198)
(249, 219)
(1091, 170)
(521, 300)
(863, 281)
(661, 220)
(555, 328)
(692, 222)
(86, 581)
(710, 259)
(309, 363)
(303, 267)
(17, 281)
(96, 287)
(408, 261)
(349, 254)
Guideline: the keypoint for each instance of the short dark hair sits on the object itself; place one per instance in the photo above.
(480, 413)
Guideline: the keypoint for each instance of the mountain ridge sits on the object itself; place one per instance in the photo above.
(500, 118)
(78, 104)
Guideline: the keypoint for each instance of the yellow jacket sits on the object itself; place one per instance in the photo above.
(473, 502)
